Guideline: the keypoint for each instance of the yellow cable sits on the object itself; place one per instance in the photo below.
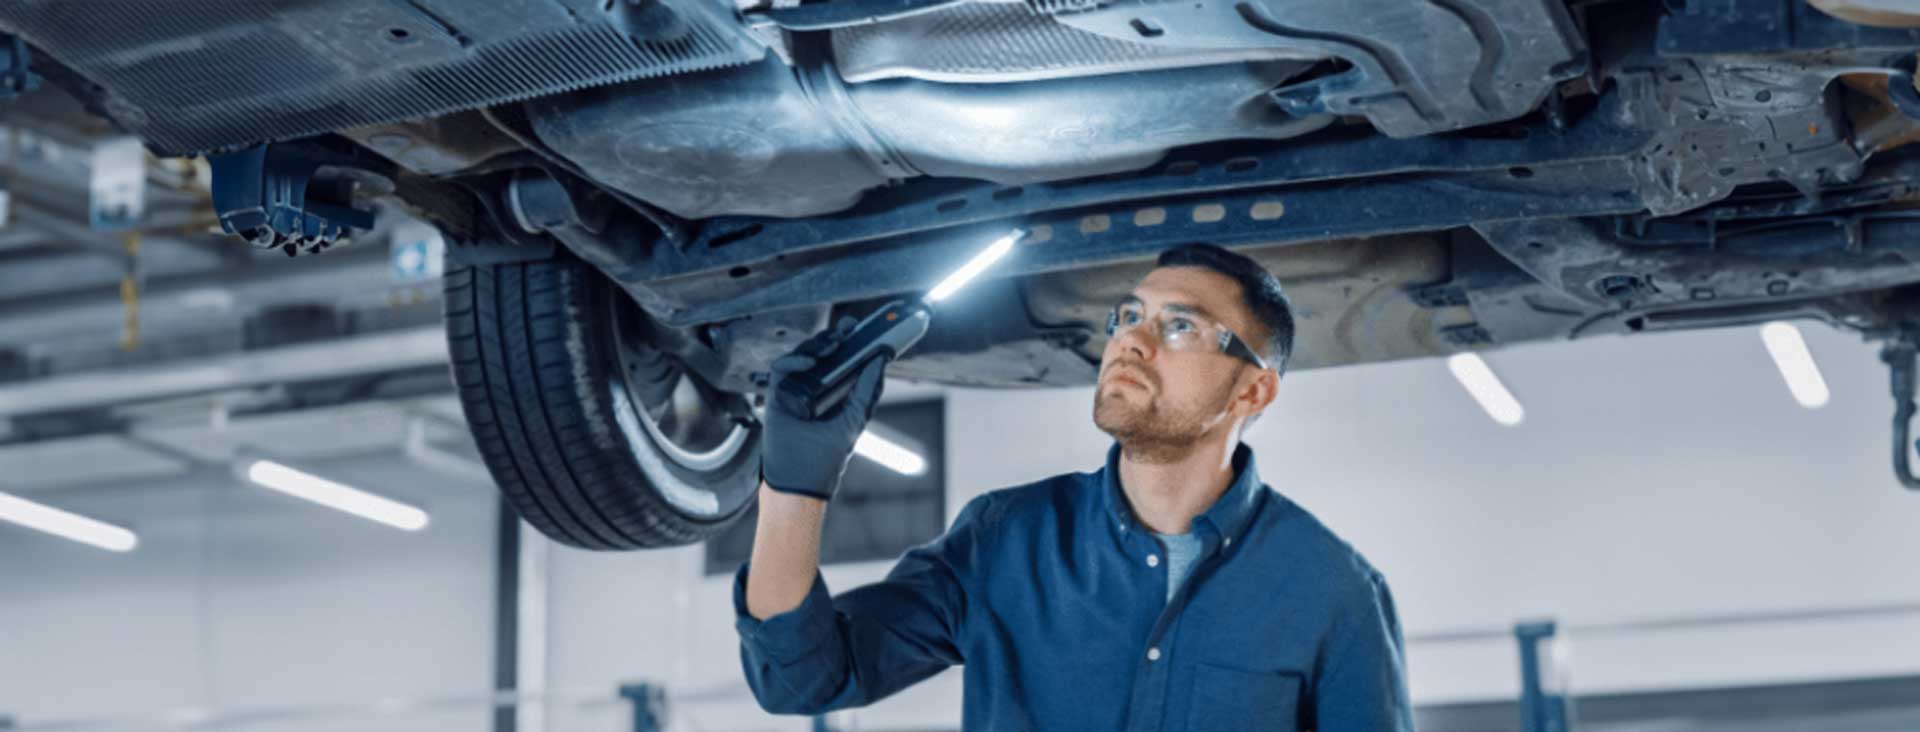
(130, 293)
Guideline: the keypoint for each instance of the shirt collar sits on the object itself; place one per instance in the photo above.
(1229, 515)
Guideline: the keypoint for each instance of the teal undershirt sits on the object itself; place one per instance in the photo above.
(1182, 550)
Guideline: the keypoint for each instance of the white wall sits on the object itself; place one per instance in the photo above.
(240, 599)
(1655, 477)
(652, 616)
(1661, 477)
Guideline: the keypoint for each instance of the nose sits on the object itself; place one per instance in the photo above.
(1139, 341)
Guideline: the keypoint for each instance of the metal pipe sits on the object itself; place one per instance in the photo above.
(229, 291)
(1629, 627)
(373, 353)
(18, 237)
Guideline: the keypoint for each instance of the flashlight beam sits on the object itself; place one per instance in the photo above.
(975, 266)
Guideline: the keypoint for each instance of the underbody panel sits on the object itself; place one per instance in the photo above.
(1352, 298)
(1427, 177)
(200, 76)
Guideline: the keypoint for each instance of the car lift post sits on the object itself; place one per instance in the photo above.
(1540, 710)
(649, 706)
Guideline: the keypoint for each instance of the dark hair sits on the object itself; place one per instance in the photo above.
(1259, 290)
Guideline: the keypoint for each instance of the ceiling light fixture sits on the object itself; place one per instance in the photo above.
(979, 263)
(44, 518)
(310, 487)
(1480, 381)
(892, 455)
(1790, 355)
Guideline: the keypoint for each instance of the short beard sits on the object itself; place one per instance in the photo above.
(1151, 435)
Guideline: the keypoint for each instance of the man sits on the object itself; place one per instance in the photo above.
(1170, 590)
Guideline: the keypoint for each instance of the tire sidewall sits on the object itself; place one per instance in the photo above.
(666, 483)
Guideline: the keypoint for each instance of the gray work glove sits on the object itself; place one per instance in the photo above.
(808, 456)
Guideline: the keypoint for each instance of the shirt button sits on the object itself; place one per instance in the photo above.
(1229, 541)
(1153, 654)
(1153, 560)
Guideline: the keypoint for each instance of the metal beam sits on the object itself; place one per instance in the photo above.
(1087, 237)
(371, 353)
(926, 206)
(506, 616)
(68, 233)
(18, 237)
(224, 292)
(530, 599)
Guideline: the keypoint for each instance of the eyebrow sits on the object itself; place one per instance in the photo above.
(1178, 307)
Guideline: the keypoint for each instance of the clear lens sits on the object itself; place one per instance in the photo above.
(1177, 332)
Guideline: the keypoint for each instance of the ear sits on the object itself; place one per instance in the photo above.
(1256, 392)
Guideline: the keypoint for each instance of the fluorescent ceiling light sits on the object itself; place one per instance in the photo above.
(890, 454)
(974, 267)
(308, 486)
(41, 517)
(1796, 365)
(1479, 380)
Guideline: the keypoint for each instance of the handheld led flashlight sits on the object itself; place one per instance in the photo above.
(889, 331)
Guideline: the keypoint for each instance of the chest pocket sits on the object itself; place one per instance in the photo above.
(1231, 700)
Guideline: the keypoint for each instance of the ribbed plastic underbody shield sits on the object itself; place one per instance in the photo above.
(210, 74)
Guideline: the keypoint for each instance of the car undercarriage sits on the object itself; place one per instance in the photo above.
(646, 202)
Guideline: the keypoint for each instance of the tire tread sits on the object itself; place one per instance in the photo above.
(523, 366)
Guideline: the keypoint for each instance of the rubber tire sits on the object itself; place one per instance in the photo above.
(534, 363)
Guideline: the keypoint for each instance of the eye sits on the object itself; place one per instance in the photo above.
(1181, 325)
(1129, 316)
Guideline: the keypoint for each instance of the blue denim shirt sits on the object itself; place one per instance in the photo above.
(1054, 597)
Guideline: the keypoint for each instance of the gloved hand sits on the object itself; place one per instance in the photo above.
(808, 456)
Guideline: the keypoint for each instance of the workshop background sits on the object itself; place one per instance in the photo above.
(1715, 556)
(1654, 533)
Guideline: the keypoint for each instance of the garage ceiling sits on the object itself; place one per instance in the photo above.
(174, 448)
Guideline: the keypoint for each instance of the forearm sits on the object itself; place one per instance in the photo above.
(806, 651)
(786, 552)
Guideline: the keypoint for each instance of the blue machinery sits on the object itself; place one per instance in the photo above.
(1540, 709)
(649, 706)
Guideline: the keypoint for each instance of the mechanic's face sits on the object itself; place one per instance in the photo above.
(1160, 403)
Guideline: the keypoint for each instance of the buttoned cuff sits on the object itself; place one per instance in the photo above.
(790, 636)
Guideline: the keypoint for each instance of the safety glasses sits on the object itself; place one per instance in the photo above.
(1181, 328)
